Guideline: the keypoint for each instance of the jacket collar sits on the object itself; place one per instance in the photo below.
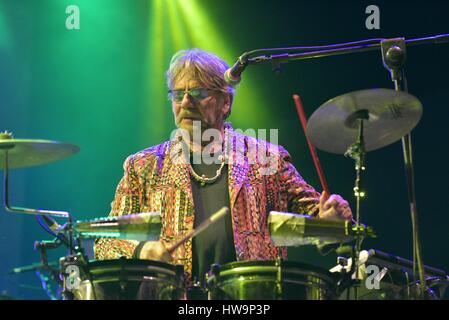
(177, 157)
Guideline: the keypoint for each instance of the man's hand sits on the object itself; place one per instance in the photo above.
(155, 250)
(334, 208)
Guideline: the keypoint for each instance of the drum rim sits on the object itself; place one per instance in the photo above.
(247, 271)
(133, 262)
(285, 264)
(252, 268)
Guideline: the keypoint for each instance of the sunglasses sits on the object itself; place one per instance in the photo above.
(195, 93)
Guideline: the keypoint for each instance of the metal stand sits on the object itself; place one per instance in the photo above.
(43, 246)
(278, 293)
(357, 152)
(46, 214)
(394, 56)
(64, 234)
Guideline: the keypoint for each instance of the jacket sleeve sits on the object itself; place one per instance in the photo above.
(126, 201)
(302, 197)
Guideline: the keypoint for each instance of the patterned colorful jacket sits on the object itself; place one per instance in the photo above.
(156, 181)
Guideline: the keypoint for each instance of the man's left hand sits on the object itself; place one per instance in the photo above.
(334, 207)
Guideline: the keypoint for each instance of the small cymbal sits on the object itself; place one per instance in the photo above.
(27, 153)
(333, 127)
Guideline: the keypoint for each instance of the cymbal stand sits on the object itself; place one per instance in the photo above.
(43, 246)
(394, 57)
(357, 152)
(40, 212)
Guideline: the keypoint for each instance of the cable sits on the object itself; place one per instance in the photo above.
(47, 228)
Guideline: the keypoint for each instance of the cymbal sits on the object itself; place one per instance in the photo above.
(333, 127)
(27, 153)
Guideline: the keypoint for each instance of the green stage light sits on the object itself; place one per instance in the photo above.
(203, 33)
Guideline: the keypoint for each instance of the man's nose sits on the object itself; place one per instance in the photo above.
(186, 101)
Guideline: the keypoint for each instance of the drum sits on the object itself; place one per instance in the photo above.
(126, 279)
(264, 280)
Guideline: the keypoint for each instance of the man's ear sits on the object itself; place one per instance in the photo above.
(227, 105)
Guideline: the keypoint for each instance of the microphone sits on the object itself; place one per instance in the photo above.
(232, 76)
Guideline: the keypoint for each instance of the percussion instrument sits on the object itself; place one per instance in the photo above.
(124, 279)
(270, 280)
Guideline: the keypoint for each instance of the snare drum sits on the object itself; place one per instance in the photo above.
(252, 280)
(126, 279)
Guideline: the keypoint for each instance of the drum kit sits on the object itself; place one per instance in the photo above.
(333, 127)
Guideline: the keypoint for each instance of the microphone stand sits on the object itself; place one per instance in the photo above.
(330, 50)
(393, 56)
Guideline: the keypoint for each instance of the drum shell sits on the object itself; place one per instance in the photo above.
(130, 279)
(257, 280)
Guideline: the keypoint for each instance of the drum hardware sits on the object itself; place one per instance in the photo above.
(278, 264)
(43, 246)
(390, 276)
(357, 152)
(375, 118)
(72, 270)
(196, 291)
(34, 267)
(18, 153)
(212, 278)
(44, 266)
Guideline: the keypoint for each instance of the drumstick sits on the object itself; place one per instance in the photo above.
(316, 161)
(205, 224)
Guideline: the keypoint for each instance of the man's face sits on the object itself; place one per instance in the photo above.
(210, 110)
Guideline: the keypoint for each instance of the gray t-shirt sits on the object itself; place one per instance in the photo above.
(216, 243)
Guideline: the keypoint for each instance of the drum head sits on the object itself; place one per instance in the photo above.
(126, 279)
(262, 280)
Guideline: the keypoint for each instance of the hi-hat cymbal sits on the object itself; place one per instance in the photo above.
(27, 153)
(333, 127)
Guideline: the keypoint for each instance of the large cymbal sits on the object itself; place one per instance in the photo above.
(333, 127)
(27, 153)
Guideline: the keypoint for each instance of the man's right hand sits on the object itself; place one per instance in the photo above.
(155, 250)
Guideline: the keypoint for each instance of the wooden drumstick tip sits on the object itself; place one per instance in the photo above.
(220, 213)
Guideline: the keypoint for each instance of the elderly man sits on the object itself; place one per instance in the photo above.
(175, 179)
